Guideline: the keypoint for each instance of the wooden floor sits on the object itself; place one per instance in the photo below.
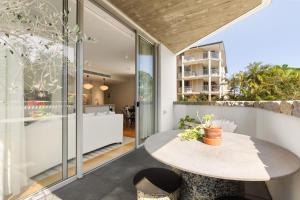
(129, 131)
(87, 165)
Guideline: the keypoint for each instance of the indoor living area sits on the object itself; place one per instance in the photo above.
(109, 88)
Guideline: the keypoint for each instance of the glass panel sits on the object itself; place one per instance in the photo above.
(31, 95)
(146, 90)
(108, 88)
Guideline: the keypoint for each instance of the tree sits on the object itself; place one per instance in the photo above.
(31, 32)
(265, 82)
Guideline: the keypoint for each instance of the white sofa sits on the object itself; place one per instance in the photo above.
(44, 139)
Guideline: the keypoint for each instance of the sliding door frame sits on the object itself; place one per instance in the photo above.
(104, 5)
(79, 108)
(65, 93)
(139, 35)
(137, 109)
(79, 97)
(79, 91)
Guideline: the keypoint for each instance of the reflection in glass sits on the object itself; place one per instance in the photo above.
(31, 63)
(146, 89)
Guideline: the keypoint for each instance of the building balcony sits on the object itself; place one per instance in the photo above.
(198, 57)
(189, 90)
(179, 90)
(198, 74)
(254, 121)
(263, 120)
(214, 88)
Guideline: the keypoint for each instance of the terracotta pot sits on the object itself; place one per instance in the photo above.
(212, 141)
(212, 133)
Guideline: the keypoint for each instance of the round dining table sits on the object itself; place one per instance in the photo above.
(209, 172)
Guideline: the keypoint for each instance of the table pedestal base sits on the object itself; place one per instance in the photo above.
(197, 187)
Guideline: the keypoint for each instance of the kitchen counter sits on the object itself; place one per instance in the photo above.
(98, 108)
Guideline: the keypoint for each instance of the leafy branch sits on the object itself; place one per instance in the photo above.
(31, 33)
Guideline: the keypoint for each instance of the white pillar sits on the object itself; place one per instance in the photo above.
(209, 76)
(182, 76)
(220, 74)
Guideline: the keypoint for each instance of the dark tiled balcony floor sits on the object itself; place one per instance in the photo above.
(114, 181)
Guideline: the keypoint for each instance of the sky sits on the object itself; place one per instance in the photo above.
(271, 36)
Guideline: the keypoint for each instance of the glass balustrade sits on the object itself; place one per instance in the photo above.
(201, 56)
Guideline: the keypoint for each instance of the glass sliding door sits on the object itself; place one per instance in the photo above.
(145, 89)
(37, 92)
(108, 88)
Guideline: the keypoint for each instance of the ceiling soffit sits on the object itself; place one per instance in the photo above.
(180, 23)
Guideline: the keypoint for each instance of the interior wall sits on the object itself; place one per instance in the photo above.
(94, 96)
(166, 88)
(97, 94)
(277, 128)
(121, 95)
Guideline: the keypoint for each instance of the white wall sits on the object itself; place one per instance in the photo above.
(121, 94)
(166, 88)
(97, 94)
(277, 128)
(283, 130)
(243, 116)
(94, 96)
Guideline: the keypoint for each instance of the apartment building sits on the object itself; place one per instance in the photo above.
(202, 70)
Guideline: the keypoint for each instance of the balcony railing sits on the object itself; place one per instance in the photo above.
(214, 71)
(188, 89)
(192, 73)
(214, 55)
(214, 88)
(201, 88)
(201, 56)
(203, 72)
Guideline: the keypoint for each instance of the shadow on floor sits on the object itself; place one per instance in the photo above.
(114, 181)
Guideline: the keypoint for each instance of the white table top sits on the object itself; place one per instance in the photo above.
(239, 157)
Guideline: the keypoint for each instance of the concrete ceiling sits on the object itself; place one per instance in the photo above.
(180, 23)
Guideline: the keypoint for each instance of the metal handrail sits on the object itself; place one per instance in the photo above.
(200, 56)
(201, 88)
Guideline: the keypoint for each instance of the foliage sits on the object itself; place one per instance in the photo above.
(194, 133)
(195, 128)
(182, 98)
(31, 33)
(217, 98)
(206, 120)
(146, 84)
(202, 97)
(265, 82)
(185, 121)
(193, 98)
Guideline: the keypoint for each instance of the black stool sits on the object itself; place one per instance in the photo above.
(157, 183)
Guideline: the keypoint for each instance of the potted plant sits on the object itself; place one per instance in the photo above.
(201, 129)
(186, 122)
(212, 133)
